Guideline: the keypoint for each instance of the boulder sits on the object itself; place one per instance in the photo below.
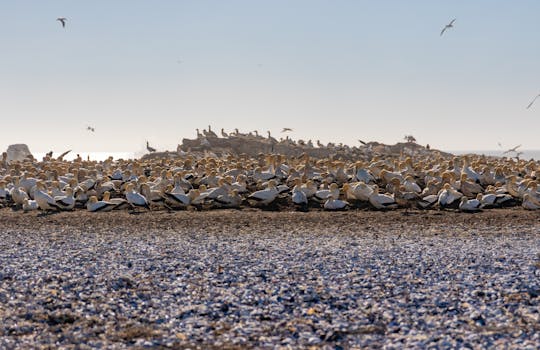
(18, 152)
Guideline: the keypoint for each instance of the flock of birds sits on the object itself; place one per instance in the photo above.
(270, 181)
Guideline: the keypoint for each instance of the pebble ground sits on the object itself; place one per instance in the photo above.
(252, 279)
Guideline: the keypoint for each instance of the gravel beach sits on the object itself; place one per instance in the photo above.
(255, 279)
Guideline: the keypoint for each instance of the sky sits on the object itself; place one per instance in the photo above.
(333, 70)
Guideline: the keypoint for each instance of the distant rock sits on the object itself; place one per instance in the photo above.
(18, 152)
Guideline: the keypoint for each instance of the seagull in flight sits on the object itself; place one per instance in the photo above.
(89, 128)
(513, 149)
(534, 99)
(62, 20)
(449, 25)
(286, 129)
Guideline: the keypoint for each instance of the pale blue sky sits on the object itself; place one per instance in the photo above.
(332, 70)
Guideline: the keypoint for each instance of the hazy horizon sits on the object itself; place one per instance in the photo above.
(333, 71)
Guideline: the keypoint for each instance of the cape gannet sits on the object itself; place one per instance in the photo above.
(93, 205)
(534, 99)
(448, 26)
(43, 199)
(469, 205)
(29, 205)
(135, 199)
(62, 20)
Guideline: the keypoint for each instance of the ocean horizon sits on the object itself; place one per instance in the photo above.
(526, 153)
(101, 156)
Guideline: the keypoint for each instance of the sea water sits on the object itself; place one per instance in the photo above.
(97, 156)
(527, 153)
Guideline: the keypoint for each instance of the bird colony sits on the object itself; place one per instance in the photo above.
(270, 181)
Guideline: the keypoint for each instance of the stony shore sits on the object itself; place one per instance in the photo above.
(256, 279)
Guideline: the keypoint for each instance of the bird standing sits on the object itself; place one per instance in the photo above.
(62, 20)
(150, 149)
(449, 25)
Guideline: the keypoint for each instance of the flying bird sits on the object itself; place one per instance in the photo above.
(61, 157)
(449, 25)
(150, 149)
(534, 99)
(286, 129)
(512, 149)
(89, 128)
(62, 20)
(362, 142)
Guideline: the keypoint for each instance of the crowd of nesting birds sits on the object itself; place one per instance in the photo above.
(207, 135)
(270, 181)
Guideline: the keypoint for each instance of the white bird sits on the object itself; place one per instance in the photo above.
(152, 196)
(332, 203)
(494, 200)
(448, 196)
(333, 191)
(362, 191)
(428, 201)
(29, 204)
(469, 205)
(120, 203)
(62, 20)
(44, 200)
(67, 201)
(230, 200)
(94, 205)
(135, 199)
(530, 203)
(534, 99)
(411, 185)
(448, 26)
(177, 196)
(299, 198)
(382, 201)
(365, 175)
(267, 195)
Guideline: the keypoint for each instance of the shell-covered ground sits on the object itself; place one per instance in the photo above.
(259, 279)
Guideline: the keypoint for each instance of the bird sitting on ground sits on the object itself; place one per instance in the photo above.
(470, 205)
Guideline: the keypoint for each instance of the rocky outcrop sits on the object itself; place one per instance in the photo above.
(254, 145)
(18, 152)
